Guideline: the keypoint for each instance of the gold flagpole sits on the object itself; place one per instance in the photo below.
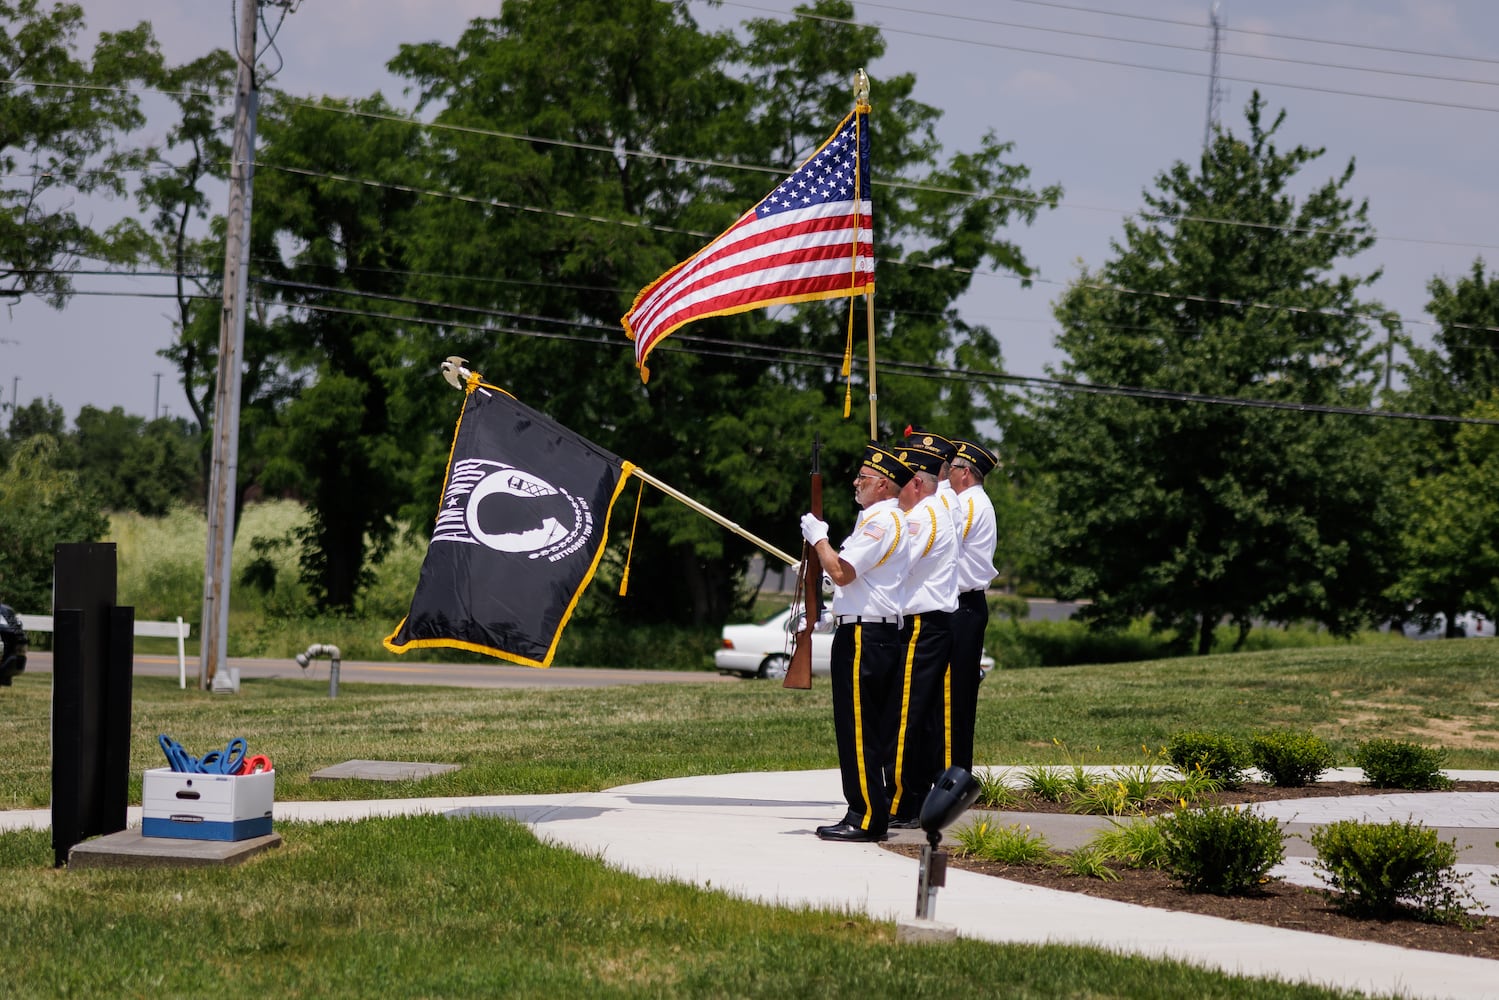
(869, 313)
(713, 515)
(861, 100)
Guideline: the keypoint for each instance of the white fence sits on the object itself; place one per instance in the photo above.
(159, 630)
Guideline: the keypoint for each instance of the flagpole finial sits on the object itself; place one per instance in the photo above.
(454, 371)
(861, 87)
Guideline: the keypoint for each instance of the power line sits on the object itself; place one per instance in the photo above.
(1256, 33)
(1103, 61)
(832, 361)
(1115, 39)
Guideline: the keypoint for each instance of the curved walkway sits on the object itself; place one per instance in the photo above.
(750, 835)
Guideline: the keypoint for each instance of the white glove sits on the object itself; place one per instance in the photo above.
(814, 529)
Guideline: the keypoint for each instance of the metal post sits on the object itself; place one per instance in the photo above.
(214, 642)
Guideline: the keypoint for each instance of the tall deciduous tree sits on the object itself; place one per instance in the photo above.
(63, 122)
(343, 249)
(1189, 512)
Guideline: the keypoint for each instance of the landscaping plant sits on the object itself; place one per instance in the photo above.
(1006, 844)
(1223, 850)
(1290, 759)
(1400, 764)
(1383, 870)
(1219, 756)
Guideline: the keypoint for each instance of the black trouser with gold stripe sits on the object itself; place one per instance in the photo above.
(919, 746)
(962, 688)
(866, 668)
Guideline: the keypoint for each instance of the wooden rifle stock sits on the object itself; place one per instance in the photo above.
(809, 584)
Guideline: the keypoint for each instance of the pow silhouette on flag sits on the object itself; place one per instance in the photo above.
(518, 536)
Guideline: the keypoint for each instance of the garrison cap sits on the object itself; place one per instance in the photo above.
(924, 440)
(887, 464)
(920, 459)
(976, 455)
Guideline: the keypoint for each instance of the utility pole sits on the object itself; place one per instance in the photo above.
(156, 403)
(1215, 92)
(214, 641)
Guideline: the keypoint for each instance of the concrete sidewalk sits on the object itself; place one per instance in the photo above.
(750, 835)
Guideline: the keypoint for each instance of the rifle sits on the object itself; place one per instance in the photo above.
(809, 586)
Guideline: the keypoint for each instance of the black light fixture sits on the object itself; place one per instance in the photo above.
(954, 791)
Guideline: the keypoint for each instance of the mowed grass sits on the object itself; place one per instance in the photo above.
(435, 907)
(428, 906)
(1442, 694)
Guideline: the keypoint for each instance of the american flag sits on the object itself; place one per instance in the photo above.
(810, 238)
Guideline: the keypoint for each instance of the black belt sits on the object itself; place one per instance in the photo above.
(865, 620)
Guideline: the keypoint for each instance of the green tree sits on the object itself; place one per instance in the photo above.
(131, 463)
(1443, 568)
(340, 252)
(635, 116)
(171, 195)
(1191, 512)
(62, 121)
(41, 506)
(1452, 551)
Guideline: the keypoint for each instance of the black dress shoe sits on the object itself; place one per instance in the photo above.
(905, 824)
(849, 833)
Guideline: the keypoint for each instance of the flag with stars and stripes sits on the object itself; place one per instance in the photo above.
(810, 238)
(518, 535)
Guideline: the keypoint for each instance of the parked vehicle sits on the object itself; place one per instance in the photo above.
(1470, 625)
(764, 648)
(12, 645)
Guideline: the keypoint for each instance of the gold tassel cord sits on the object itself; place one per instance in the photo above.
(624, 580)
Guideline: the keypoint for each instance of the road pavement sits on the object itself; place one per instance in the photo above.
(474, 675)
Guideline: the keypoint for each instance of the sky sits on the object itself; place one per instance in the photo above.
(1099, 96)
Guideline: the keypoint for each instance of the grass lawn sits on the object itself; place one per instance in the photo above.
(428, 906)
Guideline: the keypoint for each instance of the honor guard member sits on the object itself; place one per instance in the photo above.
(867, 571)
(931, 597)
(973, 521)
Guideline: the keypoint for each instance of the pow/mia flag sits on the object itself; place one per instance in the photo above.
(524, 517)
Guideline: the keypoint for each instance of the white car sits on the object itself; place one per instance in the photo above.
(764, 649)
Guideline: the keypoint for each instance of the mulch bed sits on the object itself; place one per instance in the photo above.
(1278, 904)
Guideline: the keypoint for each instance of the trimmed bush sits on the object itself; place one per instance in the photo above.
(1385, 869)
(1222, 850)
(1398, 764)
(1290, 759)
(1220, 757)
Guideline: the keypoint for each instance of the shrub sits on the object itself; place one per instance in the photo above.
(1220, 757)
(1223, 850)
(1382, 869)
(1397, 764)
(1290, 759)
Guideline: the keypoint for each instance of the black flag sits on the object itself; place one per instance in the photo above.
(522, 525)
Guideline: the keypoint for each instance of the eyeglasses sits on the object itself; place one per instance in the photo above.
(865, 475)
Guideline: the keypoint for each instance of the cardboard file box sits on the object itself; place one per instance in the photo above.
(206, 806)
